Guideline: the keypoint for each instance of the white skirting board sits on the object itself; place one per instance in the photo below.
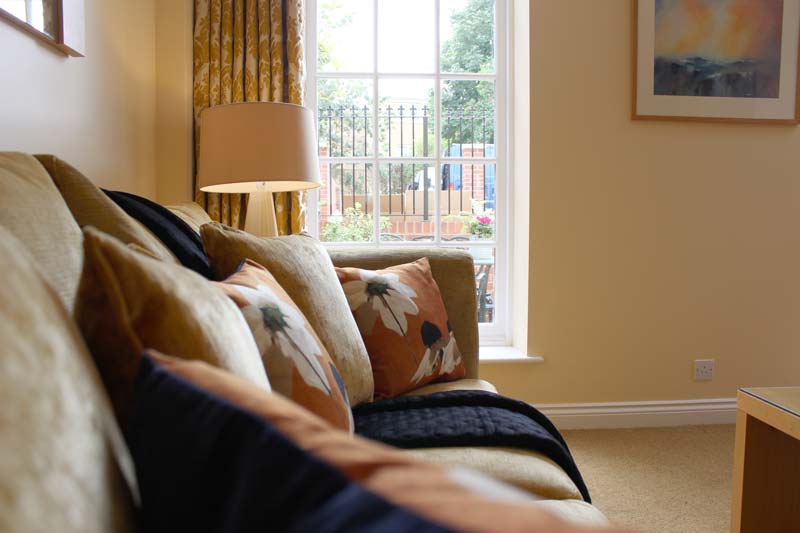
(641, 414)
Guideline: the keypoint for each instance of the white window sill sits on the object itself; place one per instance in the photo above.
(506, 354)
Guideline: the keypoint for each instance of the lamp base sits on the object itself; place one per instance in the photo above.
(260, 220)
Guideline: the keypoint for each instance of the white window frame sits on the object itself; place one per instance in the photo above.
(497, 333)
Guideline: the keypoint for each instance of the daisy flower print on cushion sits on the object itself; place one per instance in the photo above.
(403, 321)
(296, 361)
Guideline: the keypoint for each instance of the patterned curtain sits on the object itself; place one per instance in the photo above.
(249, 51)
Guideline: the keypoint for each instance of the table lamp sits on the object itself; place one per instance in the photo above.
(258, 148)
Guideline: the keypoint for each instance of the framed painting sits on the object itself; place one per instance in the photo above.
(716, 60)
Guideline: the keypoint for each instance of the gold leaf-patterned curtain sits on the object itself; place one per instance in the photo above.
(248, 51)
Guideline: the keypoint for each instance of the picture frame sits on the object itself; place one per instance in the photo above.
(731, 61)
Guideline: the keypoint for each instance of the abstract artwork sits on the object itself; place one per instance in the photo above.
(716, 59)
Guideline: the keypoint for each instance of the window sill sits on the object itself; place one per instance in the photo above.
(506, 354)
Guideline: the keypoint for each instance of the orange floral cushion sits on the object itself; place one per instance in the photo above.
(297, 364)
(402, 318)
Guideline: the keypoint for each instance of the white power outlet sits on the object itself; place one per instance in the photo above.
(703, 369)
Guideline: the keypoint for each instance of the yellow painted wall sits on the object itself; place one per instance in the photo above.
(652, 244)
(97, 112)
(174, 137)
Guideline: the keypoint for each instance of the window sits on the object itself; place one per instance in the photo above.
(410, 100)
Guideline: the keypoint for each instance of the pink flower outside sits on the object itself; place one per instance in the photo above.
(484, 220)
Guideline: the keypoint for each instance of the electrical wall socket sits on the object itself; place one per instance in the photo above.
(703, 369)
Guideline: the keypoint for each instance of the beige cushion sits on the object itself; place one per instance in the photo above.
(58, 471)
(303, 268)
(191, 213)
(529, 471)
(460, 384)
(91, 207)
(34, 212)
(575, 511)
(128, 301)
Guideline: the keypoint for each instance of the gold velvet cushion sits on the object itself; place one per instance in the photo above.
(91, 207)
(303, 268)
(62, 453)
(34, 212)
(404, 324)
(128, 301)
(297, 363)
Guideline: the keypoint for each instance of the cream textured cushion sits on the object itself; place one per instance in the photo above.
(91, 207)
(530, 471)
(460, 384)
(303, 268)
(34, 212)
(128, 301)
(575, 511)
(58, 471)
(191, 213)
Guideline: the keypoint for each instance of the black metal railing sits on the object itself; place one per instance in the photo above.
(406, 131)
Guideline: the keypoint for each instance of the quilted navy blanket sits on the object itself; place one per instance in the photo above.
(465, 418)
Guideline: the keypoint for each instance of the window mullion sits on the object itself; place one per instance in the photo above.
(376, 175)
(437, 126)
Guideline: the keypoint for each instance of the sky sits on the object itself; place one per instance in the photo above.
(719, 29)
(406, 40)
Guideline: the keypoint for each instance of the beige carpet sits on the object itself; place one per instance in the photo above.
(659, 479)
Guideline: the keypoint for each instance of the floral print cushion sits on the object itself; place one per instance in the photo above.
(403, 321)
(297, 364)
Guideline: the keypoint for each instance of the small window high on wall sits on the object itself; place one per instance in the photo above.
(411, 108)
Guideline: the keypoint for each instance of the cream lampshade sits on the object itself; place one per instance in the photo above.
(258, 148)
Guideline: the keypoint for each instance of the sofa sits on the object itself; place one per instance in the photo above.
(43, 216)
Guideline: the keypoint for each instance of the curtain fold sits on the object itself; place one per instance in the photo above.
(249, 51)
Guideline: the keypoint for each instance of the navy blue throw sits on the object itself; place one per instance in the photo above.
(205, 465)
(465, 418)
(176, 234)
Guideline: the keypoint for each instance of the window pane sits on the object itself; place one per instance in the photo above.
(467, 202)
(345, 202)
(407, 201)
(406, 36)
(468, 118)
(406, 118)
(484, 259)
(345, 118)
(344, 36)
(467, 36)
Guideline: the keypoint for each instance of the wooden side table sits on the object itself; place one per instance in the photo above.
(766, 474)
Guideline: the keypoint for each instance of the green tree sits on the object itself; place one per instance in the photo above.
(468, 106)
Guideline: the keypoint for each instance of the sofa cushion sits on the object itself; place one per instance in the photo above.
(206, 464)
(459, 384)
(35, 213)
(303, 268)
(191, 213)
(91, 207)
(128, 301)
(62, 453)
(530, 471)
(297, 363)
(183, 241)
(461, 499)
(454, 273)
(404, 324)
(575, 511)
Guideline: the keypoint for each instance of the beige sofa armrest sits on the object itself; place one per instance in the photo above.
(454, 273)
